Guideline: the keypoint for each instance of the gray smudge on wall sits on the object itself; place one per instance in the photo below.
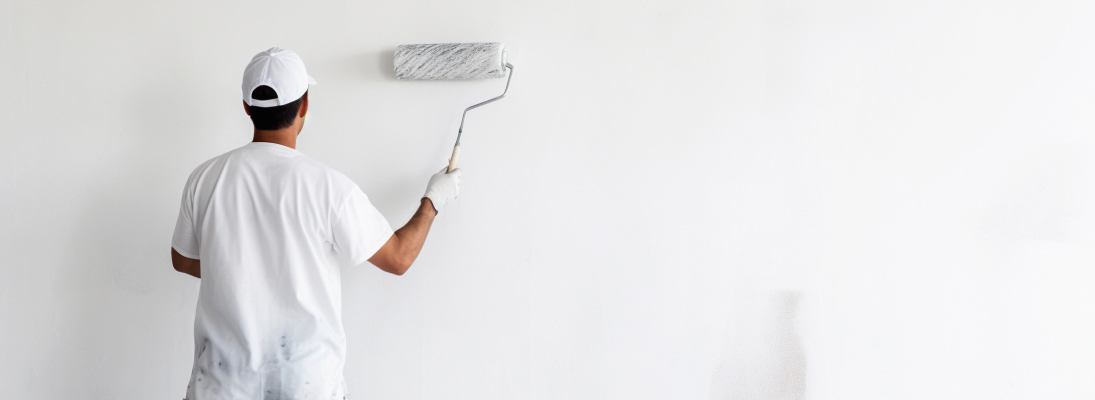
(286, 354)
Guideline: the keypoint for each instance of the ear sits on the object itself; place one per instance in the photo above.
(303, 106)
(246, 108)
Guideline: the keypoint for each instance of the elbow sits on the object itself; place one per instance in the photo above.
(394, 267)
(401, 268)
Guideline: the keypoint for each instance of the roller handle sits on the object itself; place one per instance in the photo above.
(452, 161)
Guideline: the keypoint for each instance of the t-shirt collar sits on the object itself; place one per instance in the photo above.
(275, 146)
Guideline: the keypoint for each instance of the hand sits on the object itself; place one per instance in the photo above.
(443, 188)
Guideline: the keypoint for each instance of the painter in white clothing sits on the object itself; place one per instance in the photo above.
(266, 229)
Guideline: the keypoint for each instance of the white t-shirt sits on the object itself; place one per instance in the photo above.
(271, 228)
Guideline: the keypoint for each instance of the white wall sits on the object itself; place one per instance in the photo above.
(677, 200)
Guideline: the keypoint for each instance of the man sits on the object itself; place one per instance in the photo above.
(266, 228)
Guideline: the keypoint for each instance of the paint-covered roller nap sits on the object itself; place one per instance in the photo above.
(454, 61)
(450, 61)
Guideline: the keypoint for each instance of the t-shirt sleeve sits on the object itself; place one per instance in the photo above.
(185, 240)
(359, 230)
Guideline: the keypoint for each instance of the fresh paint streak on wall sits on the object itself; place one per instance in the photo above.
(677, 199)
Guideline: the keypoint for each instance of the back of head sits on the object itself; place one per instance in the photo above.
(275, 84)
(276, 117)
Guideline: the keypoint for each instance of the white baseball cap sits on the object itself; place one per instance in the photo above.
(281, 70)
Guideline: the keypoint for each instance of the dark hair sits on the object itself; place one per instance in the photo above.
(273, 118)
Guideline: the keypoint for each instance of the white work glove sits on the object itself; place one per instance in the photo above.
(443, 188)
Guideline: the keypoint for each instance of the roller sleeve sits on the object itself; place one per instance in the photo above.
(450, 61)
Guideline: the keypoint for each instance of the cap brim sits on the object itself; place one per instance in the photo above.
(311, 80)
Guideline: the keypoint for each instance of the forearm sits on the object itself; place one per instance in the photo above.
(413, 235)
(397, 255)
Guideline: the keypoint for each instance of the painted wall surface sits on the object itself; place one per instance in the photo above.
(677, 199)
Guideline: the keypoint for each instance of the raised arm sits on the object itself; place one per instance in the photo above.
(397, 255)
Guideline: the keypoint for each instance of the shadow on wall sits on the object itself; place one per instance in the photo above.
(370, 66)
(767, 361)
(386, 62)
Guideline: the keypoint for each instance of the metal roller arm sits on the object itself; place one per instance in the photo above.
(461, 131)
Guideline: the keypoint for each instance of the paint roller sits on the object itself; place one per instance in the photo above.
(453, 61)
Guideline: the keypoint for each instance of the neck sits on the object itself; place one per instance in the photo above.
(286, 137)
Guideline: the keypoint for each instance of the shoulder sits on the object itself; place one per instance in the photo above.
(336, 188)
(208, 172)
(337, 182)
(204, 167)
